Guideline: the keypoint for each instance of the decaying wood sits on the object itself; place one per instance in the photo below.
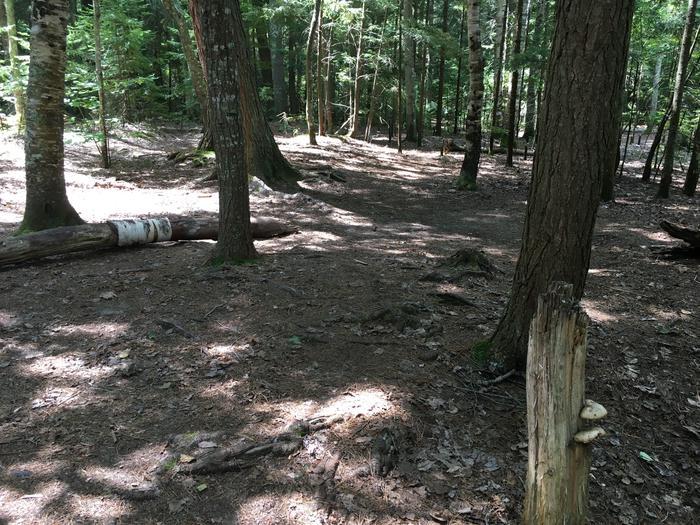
(70, 239)
(243, 454)
(692, 237)
(558, 466)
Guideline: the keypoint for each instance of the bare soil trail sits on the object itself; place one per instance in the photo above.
(331, 376)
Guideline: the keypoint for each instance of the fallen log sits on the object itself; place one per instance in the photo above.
(129, 232)
(692, 237)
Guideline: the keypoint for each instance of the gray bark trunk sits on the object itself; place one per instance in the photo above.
(309, 73)
(408, 71)
(279, 87)
(499, 39)
(47, 203)
(104, 139)
(513, 106)
(472, 147)
(20, 98)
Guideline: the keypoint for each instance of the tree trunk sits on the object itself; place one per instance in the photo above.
(196, 73)
(691, 177)
(591, 41)
(513, 105)
(674, 118)
(18, 92)
(47, 203)
(279, 88)
(654, 104)
(320, 84)
(458, 88)
(501, 12)
(408, 71)
(104, 148)
(559, 462)
(692, 237)
(263, 44)
(225, 61)
(649, 163)
(264, 159)
(472, 148)
(329, 88)
(535, 73)
(355, 122)
(309, 76)
(4, 45)
(424, 69)
(122, 233)
(374, 93)
(441, 73)
(292, 93)
(399, 62)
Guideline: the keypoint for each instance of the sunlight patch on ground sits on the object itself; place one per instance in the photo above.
(16, 507)
(96, 330)
(8, 319)
(597, 314)
(59, 397)
(290, 508)
(135, 473)
(65, 367)
(99, 509)
(659, 236)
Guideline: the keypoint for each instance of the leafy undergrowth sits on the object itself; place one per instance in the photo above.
(146, 386)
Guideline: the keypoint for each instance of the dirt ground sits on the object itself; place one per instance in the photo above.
(120, 369)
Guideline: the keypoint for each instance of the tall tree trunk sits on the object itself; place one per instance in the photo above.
(399, 62)
(649, 163)
(441, 72)
(535, 73)
(501, 12)
(654, 103)
(218, 20)
(422, 81)
(458, 89)
(104, 148)
(591, 41)
(374, 92)
(329, 89)
(279, 88)
(355, 122)
(263, 45)
(320, 84)
(674, 118)
(309, 77)
(264, 159)
(472, 148)
(293, 95)
(18, 92)
(47, 203)
(196, 72)
(513, 105)
(408, 71)
(4, 45)
(691, 177)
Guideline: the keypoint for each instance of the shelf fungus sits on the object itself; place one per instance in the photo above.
(592, 411)
(587, 436)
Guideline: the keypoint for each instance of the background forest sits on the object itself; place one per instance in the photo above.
(445, 283)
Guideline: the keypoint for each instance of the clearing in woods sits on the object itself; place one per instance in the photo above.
(120, 368)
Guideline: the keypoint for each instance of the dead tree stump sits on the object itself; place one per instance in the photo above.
(558, 442)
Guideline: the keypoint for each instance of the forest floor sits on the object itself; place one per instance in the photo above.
(120, 369)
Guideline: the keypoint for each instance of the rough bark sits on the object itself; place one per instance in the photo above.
(264, 159)
(441, 73)
(513, 105)
(20, 98)
(72, 239)
(499, 39)
(104, 140)
(590, 42)
(424, 70)
(399, 101)
(292, 93)
(223, 58)
(408, 70)
(691, 176)
(309, 76)
(263, 45)
(355, 122)
(472, 148)
(47, 204)
(676, 104)
(558, 465)
(197, 68)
